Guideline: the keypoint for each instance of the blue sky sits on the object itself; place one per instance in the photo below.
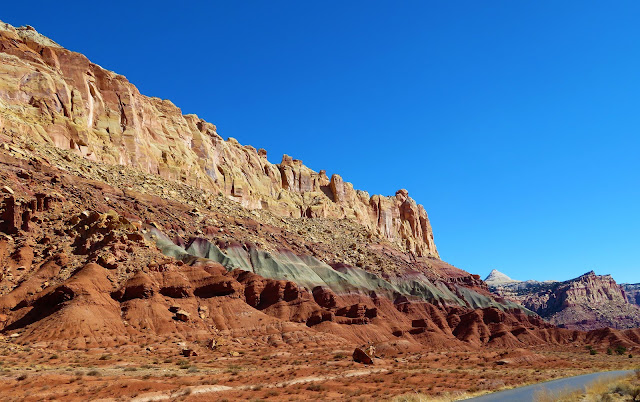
(516, 124)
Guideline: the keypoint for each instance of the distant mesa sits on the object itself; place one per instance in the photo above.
(588, 302)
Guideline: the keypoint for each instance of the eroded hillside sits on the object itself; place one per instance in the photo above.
(125, 221)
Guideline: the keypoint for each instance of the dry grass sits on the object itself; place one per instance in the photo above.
(623, 389)
(419, 397)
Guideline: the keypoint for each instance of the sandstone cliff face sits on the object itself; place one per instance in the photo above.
(586, 289)
(86, 263)
(587, 302)
(632, 291)
(51, 95)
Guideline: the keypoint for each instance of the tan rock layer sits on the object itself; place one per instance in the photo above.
(50, 94)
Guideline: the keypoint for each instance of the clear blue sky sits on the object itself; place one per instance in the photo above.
(515, 123)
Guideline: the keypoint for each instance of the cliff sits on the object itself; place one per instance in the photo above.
(49, 94)
(587, 302)
(632, 290)
(124, 221)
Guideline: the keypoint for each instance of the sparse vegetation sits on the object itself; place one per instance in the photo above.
(316, 387)
(233, 369)
(624, 389)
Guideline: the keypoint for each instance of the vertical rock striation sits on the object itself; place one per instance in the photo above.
(50, 94)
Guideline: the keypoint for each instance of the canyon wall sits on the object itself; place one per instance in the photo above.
(587, 302)
(52, 95)
(632, 291)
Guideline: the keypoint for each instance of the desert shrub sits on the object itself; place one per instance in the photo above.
(233, 368)
(94, 373)
(413, 397)
(184, 364)
(22, 377)
(316, 387)
(593, 352)
(609, 351)
(621, 350)
(622, 389)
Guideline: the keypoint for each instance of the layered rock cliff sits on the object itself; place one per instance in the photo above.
(123, 220)
(632, 290)
(49, 94)
(587, 302)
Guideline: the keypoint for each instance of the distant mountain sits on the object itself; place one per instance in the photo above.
(588, 302)
(496, 278)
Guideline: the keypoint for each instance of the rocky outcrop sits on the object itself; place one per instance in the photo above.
(593, 289)
(587, 302)
(364, 355)
(21, 214)
(95, 269)
(632, 291)
(51, 95)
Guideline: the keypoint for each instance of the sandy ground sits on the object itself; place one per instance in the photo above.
(277, 373)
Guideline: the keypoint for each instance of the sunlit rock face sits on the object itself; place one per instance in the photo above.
(50, 94)
(587, 302)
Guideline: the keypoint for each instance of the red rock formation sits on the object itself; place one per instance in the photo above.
(588, 302)
(52, 95)
(632, 291)
(79, 272)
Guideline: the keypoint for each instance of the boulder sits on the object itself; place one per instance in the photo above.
(364, 355)
(182, 315)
